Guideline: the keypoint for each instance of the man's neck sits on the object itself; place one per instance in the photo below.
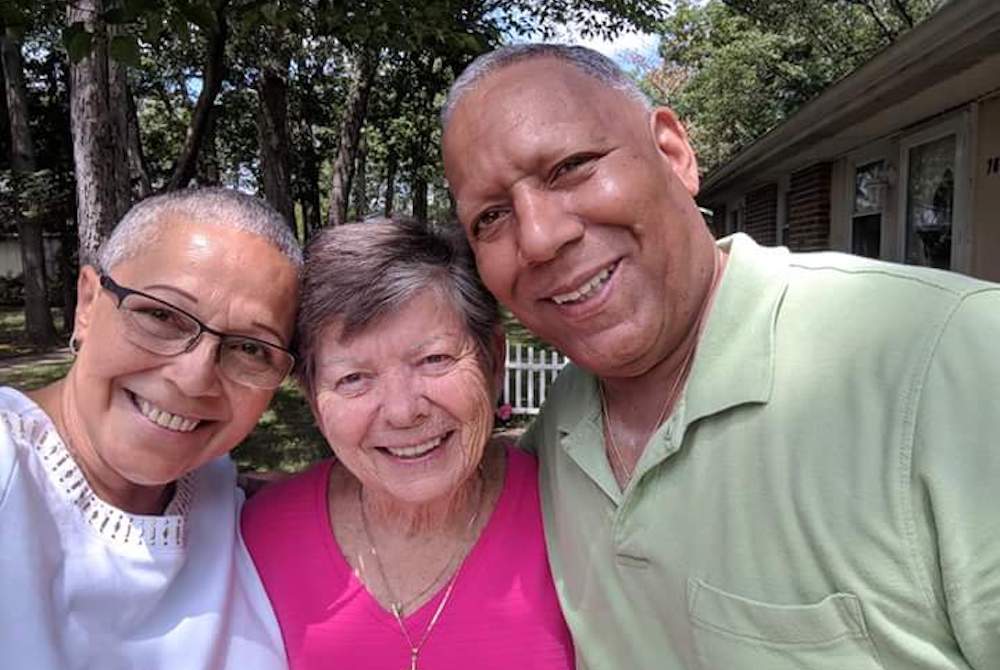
(636, 403)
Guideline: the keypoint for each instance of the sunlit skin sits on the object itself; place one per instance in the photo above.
(128, 459)
(558, 177)
(412, 378)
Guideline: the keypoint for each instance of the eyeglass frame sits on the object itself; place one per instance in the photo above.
(122, 292)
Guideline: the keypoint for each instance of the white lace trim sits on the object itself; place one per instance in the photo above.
(111, 523)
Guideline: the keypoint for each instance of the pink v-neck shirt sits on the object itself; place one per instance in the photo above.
(502, 614)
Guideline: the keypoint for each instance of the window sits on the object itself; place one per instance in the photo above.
(870, 184)
(930, 202)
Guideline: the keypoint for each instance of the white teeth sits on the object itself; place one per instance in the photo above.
(586, 290)
(165, 419)
(416, 450)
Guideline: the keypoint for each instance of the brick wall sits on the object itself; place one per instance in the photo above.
(809, 209)
(762, 215)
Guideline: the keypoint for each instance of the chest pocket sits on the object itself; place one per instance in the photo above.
(735, 633)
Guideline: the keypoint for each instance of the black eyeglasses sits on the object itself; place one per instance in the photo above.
(161, 328)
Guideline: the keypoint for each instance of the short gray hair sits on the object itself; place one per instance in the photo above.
(360, 272)
(140, 227)
(588, 61)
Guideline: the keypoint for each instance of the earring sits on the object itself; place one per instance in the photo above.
(74, 345)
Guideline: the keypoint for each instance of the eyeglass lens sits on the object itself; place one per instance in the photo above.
(162, 329)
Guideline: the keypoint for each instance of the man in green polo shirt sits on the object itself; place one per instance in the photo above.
(758, 460)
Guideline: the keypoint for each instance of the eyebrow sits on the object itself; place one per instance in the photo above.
(449, 335)
(172, 289)
(263, 326)
(277, 335)
(336, 359)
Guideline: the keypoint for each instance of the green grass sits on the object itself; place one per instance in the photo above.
(29, 376)
(13, 340)
(286, 438)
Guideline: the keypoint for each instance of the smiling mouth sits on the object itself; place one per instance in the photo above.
(162, 417)
(415, 451)
(588, 289)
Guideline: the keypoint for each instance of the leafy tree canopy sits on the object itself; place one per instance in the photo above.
(735, 69)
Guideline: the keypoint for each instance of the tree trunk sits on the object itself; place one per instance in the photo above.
(208, 173)
(68, 269)
(350, 129)
(309, 183)
(98, 207)
(314, 219)
(272, 132)
(119, 112)
(37, 317)
(360, 181)
(213, 75)
(391, 166)
(138, 168)
(419, 197)
(400, 90)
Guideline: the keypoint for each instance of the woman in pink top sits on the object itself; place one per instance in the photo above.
(420, 544)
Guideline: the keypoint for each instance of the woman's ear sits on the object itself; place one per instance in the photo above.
(672, 141)
(88, 290)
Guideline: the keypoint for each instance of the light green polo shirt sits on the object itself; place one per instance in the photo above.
(824, 496)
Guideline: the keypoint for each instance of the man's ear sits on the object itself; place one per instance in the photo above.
(672, 140)
(88, 290)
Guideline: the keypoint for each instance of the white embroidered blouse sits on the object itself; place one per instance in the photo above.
(86, 585)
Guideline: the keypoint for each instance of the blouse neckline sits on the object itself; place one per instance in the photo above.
(112, 524)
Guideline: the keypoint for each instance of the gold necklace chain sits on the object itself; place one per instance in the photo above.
(626, 472)
(397, 606)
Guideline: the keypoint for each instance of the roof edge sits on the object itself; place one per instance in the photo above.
(929, 44)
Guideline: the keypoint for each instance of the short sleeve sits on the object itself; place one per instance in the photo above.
(956, 474)
(8, 462)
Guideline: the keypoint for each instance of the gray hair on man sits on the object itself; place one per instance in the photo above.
(588, 61)
(142, 224)
(357, 273)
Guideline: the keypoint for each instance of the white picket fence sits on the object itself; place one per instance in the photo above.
(529, 372)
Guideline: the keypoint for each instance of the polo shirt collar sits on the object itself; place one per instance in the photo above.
(734, 362)
(733, 365)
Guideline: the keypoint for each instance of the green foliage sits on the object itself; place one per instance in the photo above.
(125, 49)
(286, 438)
(738, 68)
(78, 41)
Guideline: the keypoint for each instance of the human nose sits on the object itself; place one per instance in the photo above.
(544, 227)
(403, 401)
(195, 371)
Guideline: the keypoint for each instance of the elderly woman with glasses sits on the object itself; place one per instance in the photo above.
(419, 545)
(119, 546)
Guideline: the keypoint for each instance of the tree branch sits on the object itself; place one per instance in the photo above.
(215, 72)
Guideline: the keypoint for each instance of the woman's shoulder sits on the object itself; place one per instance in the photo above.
(285, 504)
(23, 425)
(16, 406)
(522, 466)
(519, 484)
